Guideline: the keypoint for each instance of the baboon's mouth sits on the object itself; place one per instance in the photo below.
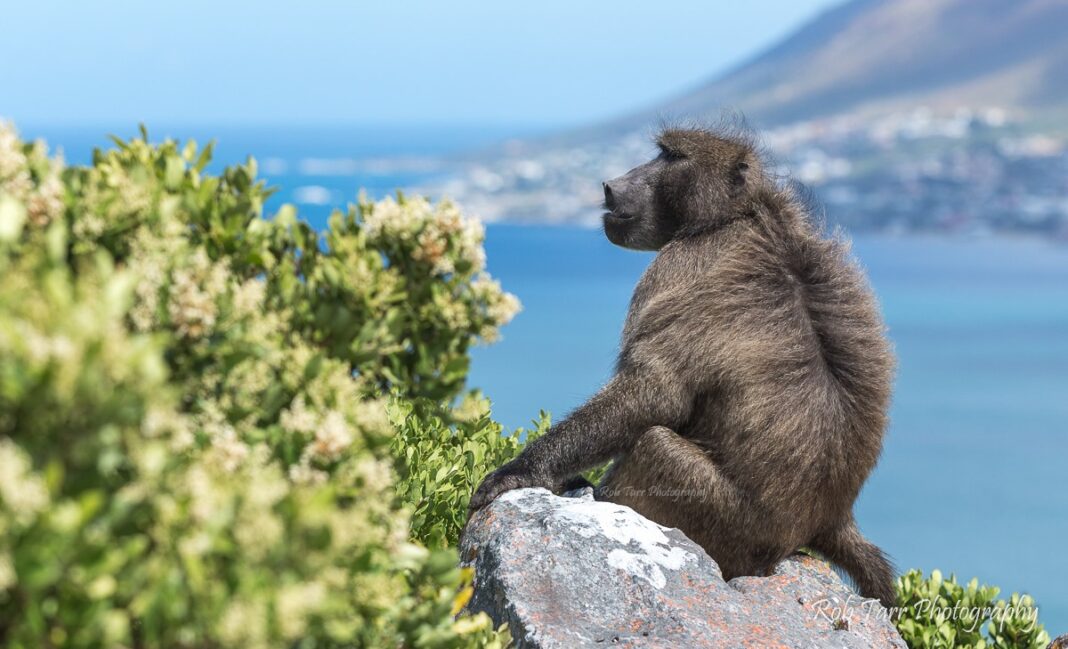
(611, 206)
(620, 216)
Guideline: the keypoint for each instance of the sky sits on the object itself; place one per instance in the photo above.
(547, 63)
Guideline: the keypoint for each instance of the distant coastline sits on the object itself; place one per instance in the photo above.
(969, 172)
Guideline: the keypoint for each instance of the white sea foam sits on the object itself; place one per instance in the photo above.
(313, 195)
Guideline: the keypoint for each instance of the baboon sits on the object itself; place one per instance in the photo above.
(750, 395)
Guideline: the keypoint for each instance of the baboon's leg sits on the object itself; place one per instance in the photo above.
(864, 561)
(672, 481)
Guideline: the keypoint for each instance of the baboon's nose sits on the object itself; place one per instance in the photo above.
(609, 197)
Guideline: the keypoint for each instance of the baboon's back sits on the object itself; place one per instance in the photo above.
(803, 372)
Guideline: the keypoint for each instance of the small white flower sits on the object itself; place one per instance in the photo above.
(249, 297)
(501, 306)
(295, 602)
(12, 159)
(332, 437)
(304, 474)
(384, 217)
(374, 473)
(8, 577)
(46, 203)
(371, 416)
(204, 498)
(432, 247)
(505, 308)
(243, 624)
(192, 305)
(22, 492)
(298, 418)
(230, 452)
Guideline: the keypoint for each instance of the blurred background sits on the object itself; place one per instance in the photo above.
(934, 131)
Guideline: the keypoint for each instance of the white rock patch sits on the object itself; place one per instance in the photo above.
(648, 566)
(588, 518)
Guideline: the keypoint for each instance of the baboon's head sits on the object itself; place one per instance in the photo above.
(700, 179)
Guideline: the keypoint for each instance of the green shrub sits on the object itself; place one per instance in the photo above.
(194, 444)
(439, 465)
(936, 613)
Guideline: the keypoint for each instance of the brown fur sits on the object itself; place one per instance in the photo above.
(750, 399)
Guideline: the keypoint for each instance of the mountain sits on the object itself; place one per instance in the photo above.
(901, 115)
(882, 55)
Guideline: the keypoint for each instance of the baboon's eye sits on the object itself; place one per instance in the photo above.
(670, 155)
(738, 174)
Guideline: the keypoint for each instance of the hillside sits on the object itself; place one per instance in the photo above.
(880, 55)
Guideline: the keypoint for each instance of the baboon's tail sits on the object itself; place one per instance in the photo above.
(866, 563)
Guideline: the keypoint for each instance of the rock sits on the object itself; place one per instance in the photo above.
(569, 572)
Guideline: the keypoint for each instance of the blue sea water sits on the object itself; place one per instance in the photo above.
(972, 478)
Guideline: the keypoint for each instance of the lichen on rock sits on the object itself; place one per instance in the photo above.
(567, 572)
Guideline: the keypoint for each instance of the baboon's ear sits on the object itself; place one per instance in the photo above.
(739, 174)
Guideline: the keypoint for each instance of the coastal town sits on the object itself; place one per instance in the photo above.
(967, 171)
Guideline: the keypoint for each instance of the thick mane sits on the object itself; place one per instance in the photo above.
(833, 300)
(827, 308)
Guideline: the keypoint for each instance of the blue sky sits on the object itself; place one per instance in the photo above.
(551, 62)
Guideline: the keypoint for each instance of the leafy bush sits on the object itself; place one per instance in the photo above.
(936, 613)
(440, 465)
(194, 444)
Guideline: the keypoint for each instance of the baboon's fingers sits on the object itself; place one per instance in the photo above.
(504, 479)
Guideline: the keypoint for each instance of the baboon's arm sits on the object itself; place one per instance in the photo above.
(607, 425)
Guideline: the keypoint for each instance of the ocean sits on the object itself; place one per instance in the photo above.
(972, 480)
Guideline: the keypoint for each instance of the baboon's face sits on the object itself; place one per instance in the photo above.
(634, 219)
(697, 179)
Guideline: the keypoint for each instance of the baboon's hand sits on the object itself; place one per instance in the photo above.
(508, 477)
